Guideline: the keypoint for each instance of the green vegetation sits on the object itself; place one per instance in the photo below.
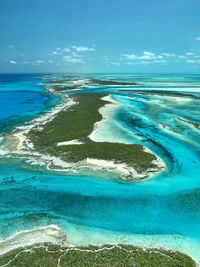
(93, 81)
(67, 87)
(66, 84)
(110, 82)
(47, 255)
(77, 122)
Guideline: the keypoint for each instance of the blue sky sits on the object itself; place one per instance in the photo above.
(99, 36)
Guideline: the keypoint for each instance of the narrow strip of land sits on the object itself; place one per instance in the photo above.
(71, 84)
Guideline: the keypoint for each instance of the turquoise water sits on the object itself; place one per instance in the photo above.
(168, 204)
(22, 99)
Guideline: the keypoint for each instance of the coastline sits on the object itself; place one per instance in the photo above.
(25, 147)
(53, 235)
(46, 234)
(173, 241)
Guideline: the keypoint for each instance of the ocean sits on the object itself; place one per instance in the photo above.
(163, 211)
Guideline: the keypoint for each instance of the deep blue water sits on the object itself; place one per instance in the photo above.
(21, 99)
(168, 204)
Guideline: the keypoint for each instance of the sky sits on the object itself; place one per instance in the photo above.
(100, 36)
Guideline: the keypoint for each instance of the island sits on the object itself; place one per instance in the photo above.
(63, 140)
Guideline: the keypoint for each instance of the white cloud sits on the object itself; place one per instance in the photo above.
(50, 61)
(66, 49)
(58, 51)
(82, 48)
(148, 54)
(193, 61)
(168, 54)
(145, 62)
(10, 46)
(198, 38)
(55, 53)
(145, 57)
(73, 58)
(130, 56)
(34, 62)
(189, 54)
(137, 63)
(182, 57)
(39, 61)
(190, 57)
(190, 61)
(105, 58)
(116, 63)
(150, 58)
(12, 62)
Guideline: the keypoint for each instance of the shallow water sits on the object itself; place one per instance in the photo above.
(162, 208)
